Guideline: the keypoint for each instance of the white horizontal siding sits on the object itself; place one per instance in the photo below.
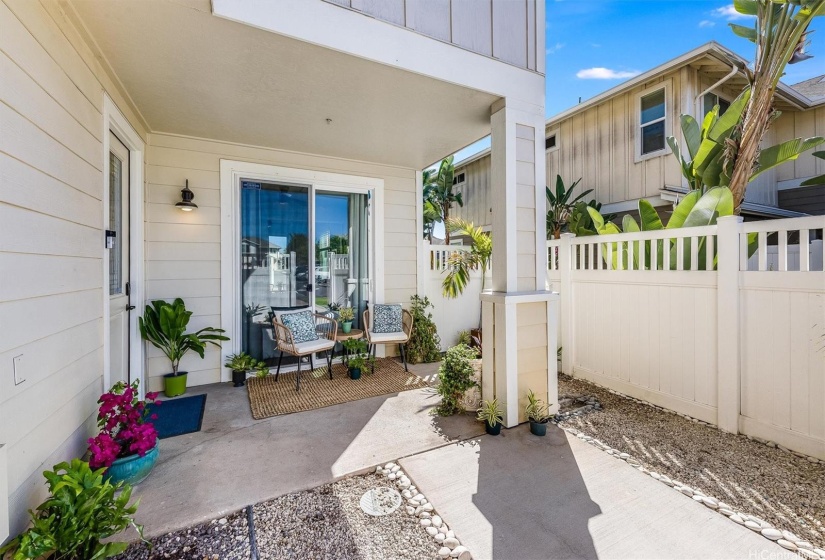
(51, 216)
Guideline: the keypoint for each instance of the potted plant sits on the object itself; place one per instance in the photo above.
(490, 412)
(537, 413)
(346, 315)
(261, 370)
(127, 442)
(164, 325)
(356, 356)
(82, 513)
(240, 364)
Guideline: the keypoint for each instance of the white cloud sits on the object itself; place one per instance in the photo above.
(706, 23)
(605, 74)
(729, 13)
(553, 49)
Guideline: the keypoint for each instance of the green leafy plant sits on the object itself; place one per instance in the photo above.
(726, 150)
(81, 511)
(580, 221)
(491, 413)
(461, 263)
(424, 345)
(560, 206)
(819, 180)
(465, 338)
(455, 377)
(438, 192)
(164, 325)
(536, 410)
(261, 370)
(357, 354)
(241, 362)
(346, 314)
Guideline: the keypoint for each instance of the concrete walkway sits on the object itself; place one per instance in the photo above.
(517, 496)
(235, 461)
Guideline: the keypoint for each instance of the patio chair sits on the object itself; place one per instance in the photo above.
(303, 333)
(393, 327)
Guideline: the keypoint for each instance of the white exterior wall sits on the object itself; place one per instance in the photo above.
(51, 243)
(183, 252)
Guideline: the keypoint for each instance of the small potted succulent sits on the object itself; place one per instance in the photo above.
(164, 325)
(537, 413)
(346, 316)
(357, 358)
(240, 364)
(127, 443)
(491, 414)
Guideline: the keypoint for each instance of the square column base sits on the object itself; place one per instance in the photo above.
(519, 350)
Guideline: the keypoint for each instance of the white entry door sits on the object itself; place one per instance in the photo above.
(119, 304)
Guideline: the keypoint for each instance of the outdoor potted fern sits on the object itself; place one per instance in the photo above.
(491, 414)
(240, 364)
(346, 316)
(538, 413)
(164, 325)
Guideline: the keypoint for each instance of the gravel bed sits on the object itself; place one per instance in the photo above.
(220, 539)
(327, 523)
(783, 489)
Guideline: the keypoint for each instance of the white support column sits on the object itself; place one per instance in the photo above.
(566, 301)
(728, 342)
(515, 359)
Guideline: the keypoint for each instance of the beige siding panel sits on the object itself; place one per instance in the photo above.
(510, 32)
(401, 226)
(784, 130)
(166, 213)
(183, 270)
(47, 235)
(804, 127)
(619, 154)
(192, 288)
(168, 195)
(430, 17)
(468, 19)
(45, 275)
(27, 187)
(177, 176)
(183, 233)
(602, 156)
(176, 251)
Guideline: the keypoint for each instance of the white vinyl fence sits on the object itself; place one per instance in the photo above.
(451, 316)
(685, 319)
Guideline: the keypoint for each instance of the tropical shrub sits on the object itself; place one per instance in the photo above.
(82, 511)
(125, 427)
(455, 377)
(726, 150)
(240, 362)
(164, 325)
(439, 196)
(580, 222)
(560, 206)
(424, 344)
(490, 412)
(536, 410)
(460, 263)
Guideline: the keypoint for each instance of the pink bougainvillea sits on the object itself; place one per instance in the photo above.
(125, 425)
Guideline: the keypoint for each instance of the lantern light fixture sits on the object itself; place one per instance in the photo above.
(186, 197)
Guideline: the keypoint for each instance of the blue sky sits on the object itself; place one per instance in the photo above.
(593, 46)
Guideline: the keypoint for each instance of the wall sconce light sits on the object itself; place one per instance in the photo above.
(186, 197)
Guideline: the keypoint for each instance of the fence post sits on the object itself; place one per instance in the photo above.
(566, 301)
(728, 346)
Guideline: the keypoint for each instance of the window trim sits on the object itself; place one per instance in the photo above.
(637, 136)
(718, 98)
(553, 132)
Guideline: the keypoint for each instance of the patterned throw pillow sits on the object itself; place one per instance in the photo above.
(386, 318)
(302, 325)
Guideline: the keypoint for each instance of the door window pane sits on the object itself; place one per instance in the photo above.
(116, 224)
(275, 266)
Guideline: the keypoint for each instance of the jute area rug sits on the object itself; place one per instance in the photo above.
(268, 398)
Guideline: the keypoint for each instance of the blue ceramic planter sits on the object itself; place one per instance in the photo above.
(134, 468)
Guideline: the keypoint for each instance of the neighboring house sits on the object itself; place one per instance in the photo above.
(269, 112)
(615, 142)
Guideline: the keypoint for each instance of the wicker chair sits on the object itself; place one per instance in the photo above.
(326, 327)
(400, 338)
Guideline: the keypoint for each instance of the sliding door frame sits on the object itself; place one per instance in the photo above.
(231, 173)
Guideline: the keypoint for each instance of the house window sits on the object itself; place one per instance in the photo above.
(652, 122)
(458, 179)
(550, 142)
(711, 100)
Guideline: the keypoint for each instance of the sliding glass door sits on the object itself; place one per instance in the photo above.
(301, 248)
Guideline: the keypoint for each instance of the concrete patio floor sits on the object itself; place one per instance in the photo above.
(235, 461)
(521, 496)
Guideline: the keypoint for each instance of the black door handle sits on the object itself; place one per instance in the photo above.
(129, 307)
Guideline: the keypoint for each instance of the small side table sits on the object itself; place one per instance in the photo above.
(341, 336)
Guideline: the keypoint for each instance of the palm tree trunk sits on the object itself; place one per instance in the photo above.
(446, 212)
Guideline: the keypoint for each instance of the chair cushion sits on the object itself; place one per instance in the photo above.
(301, 324)
(311, 346)
(382, 338)
(386, 318)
